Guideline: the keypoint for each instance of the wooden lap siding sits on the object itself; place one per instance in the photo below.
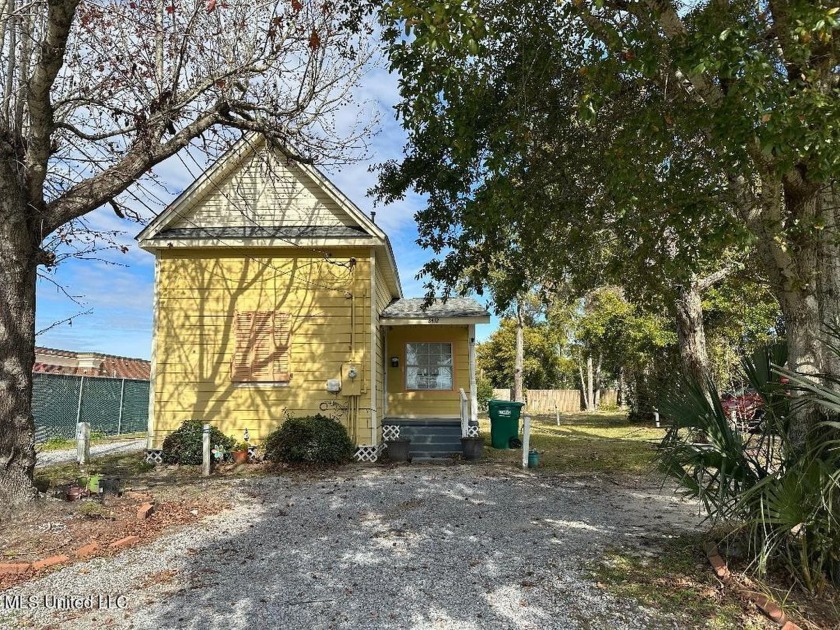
(200, 294)
(383, 298)
(428, 403)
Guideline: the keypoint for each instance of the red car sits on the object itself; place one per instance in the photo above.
(745, 408)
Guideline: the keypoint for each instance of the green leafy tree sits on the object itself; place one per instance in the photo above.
(543, 366)
(682, 133)
(610, 338)
(741, 317)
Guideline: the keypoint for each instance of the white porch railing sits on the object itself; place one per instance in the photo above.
(465, 412)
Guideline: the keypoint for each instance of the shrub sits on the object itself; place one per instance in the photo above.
(780, 491)
(484, 392)
(310, 440)
(184, 446)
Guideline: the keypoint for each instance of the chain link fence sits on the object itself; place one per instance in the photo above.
(112, 406)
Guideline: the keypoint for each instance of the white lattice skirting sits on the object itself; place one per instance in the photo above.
(368, 452)
(154, 456)
(390, 432)
(472, 430)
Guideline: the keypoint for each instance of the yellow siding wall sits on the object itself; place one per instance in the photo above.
(198, 292)
(383, 299)
(427, 403)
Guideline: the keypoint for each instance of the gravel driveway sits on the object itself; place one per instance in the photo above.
(422, 546)
(48, 458)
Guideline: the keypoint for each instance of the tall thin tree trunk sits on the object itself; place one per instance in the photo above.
(590, 385)
(599, 385)
(519, 362)
(583, 387)
(622, 386)
(18, 255)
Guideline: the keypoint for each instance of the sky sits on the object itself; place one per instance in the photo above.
(109, 303)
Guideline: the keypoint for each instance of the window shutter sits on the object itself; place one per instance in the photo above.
(262, 340)
(240, 369)
(282, 347)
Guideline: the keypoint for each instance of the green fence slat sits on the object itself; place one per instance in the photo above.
(55, 403)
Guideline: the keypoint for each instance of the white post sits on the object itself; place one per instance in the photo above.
(557, 414)
(83, 443)
(473, 385)
(526, 440)
(79, 404)
(464, 412)
(122, 399)
(205, 453)
(656, 417)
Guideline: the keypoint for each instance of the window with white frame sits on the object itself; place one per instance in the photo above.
(428, 366)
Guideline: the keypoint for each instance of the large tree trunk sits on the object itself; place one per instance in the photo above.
(519, 361)
(18, 256)
(691, 335)
(806, 280)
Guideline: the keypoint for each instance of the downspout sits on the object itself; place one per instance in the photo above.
(351, 411)
(374, 344)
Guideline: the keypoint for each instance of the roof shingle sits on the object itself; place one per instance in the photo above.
(412, 308)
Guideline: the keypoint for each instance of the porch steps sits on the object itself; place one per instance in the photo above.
(432, 438)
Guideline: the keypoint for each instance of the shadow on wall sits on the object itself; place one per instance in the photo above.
(200, 294)
(196, 341)
(400, 548)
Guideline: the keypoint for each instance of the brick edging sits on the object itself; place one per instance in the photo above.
(762, 602)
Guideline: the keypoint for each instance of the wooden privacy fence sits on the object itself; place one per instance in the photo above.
(547, 400)
(562, 400)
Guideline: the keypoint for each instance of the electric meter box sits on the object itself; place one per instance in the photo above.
(351, 379)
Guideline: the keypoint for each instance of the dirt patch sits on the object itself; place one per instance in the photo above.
(54, 527)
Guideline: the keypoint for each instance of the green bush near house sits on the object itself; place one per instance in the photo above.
(184, 446)
(484, 392)
(310, 440)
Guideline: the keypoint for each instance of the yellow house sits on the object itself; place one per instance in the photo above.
(276, 296)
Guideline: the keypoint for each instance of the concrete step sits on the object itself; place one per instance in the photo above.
(432, 439)
(432, 459)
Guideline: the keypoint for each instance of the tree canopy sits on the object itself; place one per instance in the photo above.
(650, 140)
(94, 95)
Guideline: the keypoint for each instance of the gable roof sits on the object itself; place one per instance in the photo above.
(175, 226)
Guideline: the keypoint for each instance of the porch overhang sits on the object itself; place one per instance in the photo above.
(457, 311)
(434, 321)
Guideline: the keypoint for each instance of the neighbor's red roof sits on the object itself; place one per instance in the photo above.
(53, 361)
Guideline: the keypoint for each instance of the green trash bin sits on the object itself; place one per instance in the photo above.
(504, 422)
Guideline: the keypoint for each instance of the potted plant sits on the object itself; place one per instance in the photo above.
(240, 452)
(397, 448)
(472, 447)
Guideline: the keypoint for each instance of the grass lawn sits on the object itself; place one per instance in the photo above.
(676, 578)
(586, 443)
